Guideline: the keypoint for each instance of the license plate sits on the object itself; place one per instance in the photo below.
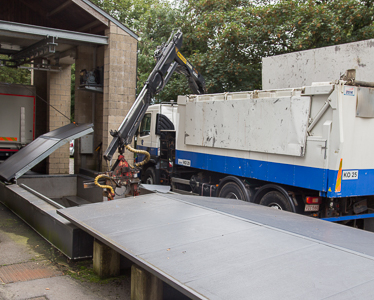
(311, 207)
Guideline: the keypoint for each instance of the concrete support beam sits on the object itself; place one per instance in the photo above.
(144, 285)
(106, 261)
(59, 96)
(40, 79)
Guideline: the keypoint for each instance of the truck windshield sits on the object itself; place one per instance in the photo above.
(145, 126)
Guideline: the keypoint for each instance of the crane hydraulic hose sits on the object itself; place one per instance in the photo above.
(146, 153)
(103, 186)
(146, 159)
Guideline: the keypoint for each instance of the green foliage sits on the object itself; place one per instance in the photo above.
(155, 27)
(13, 75)
(83, 272)
(227, 39)
(128, 12)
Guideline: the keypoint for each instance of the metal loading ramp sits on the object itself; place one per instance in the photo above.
(29, 156)
(208, 252)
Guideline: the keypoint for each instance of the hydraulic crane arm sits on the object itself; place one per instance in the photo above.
(169, 60)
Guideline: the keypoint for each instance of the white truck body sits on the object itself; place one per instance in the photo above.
(264, 135)
(17, 117)
(312, 141)
(301, 68)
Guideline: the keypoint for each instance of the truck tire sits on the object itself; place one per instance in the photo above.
(276, 200)
(232, 191)
(149, 176)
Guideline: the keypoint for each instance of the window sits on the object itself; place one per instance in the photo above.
(145, 126)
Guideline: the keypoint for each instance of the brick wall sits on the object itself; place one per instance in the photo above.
(120, 59)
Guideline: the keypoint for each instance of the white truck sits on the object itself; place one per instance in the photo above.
(306, 150)
(17, 118)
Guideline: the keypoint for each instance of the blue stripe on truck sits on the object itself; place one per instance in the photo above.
(294, 175)
(363, 186)
(153, 151)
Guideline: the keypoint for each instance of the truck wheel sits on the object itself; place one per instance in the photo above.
(276, 200)
(232, 191)
(149, 176)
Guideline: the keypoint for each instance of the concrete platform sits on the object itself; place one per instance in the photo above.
(25, 252)
(65, 190)
(227, 249)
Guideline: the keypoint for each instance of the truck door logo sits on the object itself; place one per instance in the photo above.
(349, 91)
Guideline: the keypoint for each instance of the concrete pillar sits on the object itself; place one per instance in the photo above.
(40, 80)
(144, 285)
(98, 122)
(120, 60)
(106, 261)
(59, 96)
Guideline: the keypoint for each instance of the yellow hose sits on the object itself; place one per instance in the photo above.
(103, 186)
(147, 158)
(146, 153)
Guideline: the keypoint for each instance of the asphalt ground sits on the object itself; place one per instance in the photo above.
(30, 268)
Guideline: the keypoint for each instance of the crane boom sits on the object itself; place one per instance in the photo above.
(169, 60)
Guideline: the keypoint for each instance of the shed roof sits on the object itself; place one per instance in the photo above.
(72, 15)
(32, 29)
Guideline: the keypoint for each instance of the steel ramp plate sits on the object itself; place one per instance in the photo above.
(29, 156)
(163, 189)
(210, 254)
(325, 232)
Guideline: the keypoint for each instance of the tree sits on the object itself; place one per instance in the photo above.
(155, 27)
(14, 75)
(227, 39)
(128, 12)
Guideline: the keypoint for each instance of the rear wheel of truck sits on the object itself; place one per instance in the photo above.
(276, 200)
(232, 191)
(149, 176)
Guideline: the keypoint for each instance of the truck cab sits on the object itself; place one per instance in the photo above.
(159, 120)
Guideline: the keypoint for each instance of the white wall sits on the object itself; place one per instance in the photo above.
(324, 64)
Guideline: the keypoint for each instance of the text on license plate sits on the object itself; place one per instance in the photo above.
(311, 207)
